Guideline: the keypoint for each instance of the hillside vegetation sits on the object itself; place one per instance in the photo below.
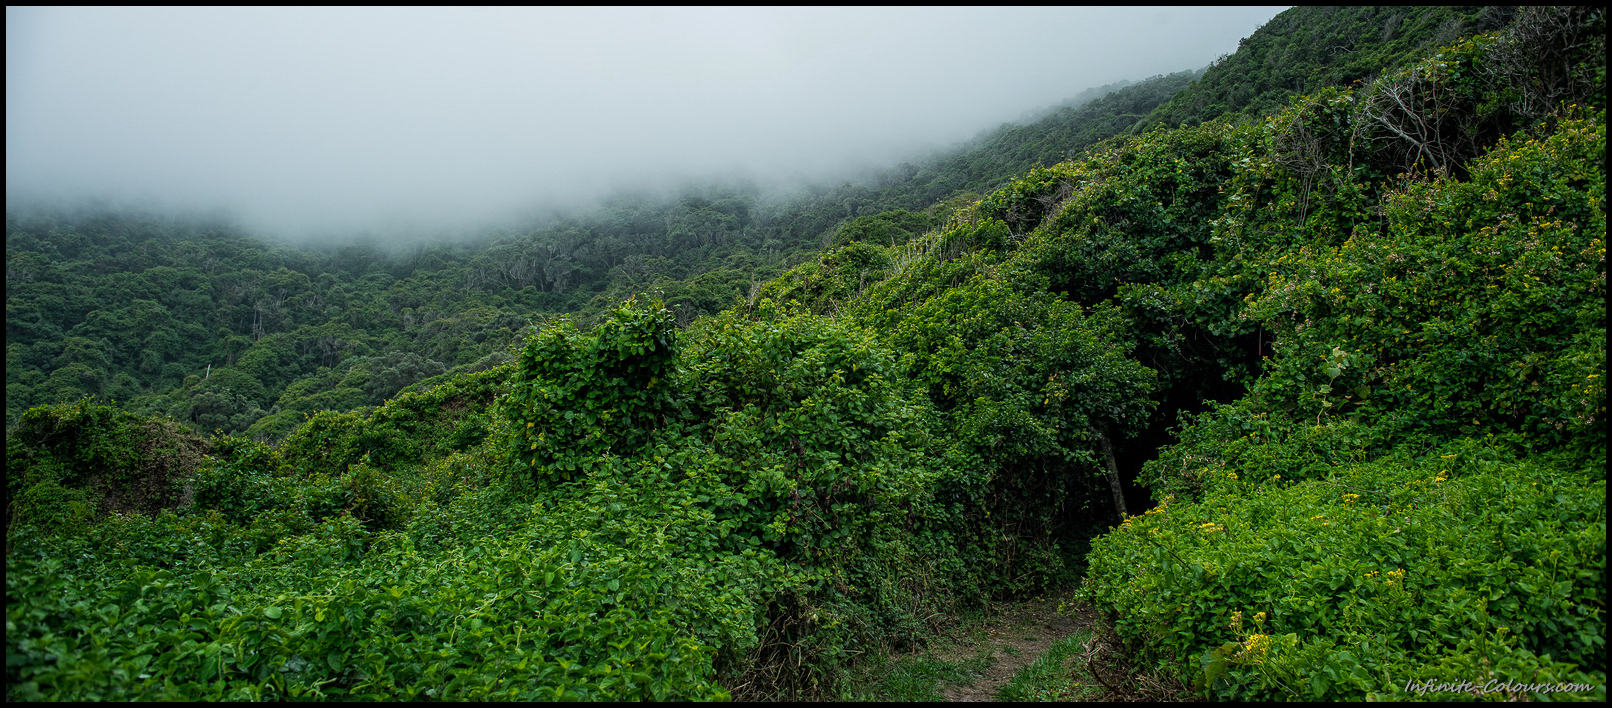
(198, 321)
(1391, 294)
(1309, 48)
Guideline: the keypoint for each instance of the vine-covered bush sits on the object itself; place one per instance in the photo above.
(576, 396)
(75, 463)
(1028, 390)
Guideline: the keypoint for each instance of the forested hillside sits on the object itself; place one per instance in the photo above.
(1306, 396)
(129, 306)
(1308, 48)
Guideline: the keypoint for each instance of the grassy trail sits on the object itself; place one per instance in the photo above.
(1043, 649)
(1013, 640)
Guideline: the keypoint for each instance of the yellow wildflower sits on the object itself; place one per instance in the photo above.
(1256, 647)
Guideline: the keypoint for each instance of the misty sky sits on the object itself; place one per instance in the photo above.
(306, 120)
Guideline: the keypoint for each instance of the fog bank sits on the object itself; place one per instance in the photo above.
(306, 121)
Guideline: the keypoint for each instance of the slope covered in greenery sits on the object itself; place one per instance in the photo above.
(1395, 295)
(129, 306)
(1309, 48)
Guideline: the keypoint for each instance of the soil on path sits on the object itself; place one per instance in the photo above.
(1017, 637)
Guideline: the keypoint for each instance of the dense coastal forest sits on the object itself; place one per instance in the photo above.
(1294, 366)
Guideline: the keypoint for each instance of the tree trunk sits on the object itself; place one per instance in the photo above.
(1113, 470)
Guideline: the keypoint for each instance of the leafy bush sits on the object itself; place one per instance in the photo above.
(1028, 390)
(93, 460)
(375, 497)
(1428, 422)
(577, 396)
(52, 507)
(1463, 563)
(504, 619)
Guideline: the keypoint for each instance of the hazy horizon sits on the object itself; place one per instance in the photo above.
(303, 122)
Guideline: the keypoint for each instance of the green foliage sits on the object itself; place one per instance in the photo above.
(329, 620)
(397, 370)
(1308, 48)
(328, 442)
(244, 482)
(78, 441)
(413, 428)
(810, 428)
(135, 305)
(48, 504)
(275, 426)
(891, 228)
(1428, 417)
(374, 497)
(1481, 301)
(1393, 295)
(576, 397)
(88, 460)
(1413, 567)
(1026, 385)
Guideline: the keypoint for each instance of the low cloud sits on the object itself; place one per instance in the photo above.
(316, 121)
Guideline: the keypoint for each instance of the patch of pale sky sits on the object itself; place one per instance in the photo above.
(304, 120)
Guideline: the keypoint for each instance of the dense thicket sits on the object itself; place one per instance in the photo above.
(1394, 293)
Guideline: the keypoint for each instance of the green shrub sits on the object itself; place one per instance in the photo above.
(52, 507)
(577, 396)
(325, 442)
(1412, 567)
(84, 460)
(375, 497)
(514, 618)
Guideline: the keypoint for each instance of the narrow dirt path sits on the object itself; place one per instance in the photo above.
(1016, 637)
